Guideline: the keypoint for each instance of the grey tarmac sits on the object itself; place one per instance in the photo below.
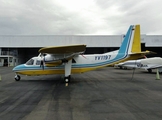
(104, 94)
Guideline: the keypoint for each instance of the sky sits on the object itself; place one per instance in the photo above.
(79, 17)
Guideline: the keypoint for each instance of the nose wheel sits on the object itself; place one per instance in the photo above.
(17, 77)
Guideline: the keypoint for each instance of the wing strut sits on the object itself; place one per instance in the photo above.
(68, 70)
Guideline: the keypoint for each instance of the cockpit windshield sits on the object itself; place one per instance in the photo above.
(30, 62)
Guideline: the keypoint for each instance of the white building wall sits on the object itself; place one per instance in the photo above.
(56, 40)
(154, 41)
(20, 41)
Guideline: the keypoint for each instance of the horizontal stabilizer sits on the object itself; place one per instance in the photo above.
(143, 53)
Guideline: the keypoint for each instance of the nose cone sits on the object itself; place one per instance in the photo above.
(19, 67)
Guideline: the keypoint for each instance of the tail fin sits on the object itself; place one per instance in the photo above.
(131, 42)
(136, 45)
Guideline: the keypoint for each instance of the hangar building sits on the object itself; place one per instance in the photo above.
(17, 49)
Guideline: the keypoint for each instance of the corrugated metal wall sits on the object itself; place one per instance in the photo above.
(56, 40)
(21, 41)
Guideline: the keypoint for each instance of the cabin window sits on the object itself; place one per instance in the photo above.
(30, 62)
(38, 62)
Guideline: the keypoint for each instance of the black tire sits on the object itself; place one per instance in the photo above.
(149, 70)
(67, 79)
(125, 68)
(17, 77)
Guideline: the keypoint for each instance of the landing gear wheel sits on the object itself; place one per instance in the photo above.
(17, 77)
(67, 79)
(125, 68)
(149, 70)
(121, 67)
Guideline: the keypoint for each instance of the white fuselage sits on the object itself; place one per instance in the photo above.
(148, 63)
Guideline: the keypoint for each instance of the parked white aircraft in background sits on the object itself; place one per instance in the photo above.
(68, 60)
(146, 64)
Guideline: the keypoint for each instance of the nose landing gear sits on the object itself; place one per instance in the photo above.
(17, 77)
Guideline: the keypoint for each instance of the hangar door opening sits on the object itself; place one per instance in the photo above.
(24, 54)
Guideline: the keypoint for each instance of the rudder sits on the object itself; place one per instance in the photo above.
(136, 45)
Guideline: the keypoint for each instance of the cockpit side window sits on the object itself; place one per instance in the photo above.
(38, 62)
(30, 62)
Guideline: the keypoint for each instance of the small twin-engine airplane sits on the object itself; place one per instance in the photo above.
(146, 64)
(68, 60)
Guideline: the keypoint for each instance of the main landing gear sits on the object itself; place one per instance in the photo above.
(67, 79)
(67, 71)
(17, 77)
(149, 70)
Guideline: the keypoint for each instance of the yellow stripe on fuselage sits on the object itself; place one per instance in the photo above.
(53, 71)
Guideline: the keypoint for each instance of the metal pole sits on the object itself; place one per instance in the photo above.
(8, 58)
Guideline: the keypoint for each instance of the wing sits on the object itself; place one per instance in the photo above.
(63, 49)
(60, 54)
